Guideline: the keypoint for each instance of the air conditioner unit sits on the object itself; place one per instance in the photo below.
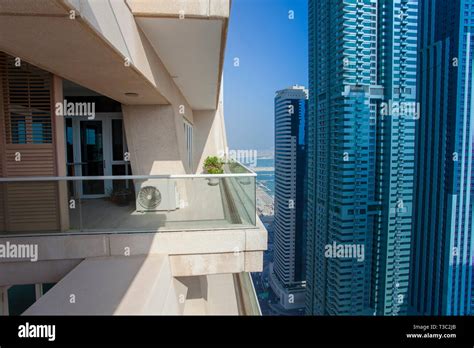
(156, 195)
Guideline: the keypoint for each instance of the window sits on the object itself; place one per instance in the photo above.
(18, 129)
(46, 287)
(69, 141)
(27, 103)
(20, 297)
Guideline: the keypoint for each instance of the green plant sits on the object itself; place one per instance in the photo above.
(213, 165)
(213, 170)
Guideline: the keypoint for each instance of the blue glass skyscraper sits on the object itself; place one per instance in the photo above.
(361, 139)
(288, 270)
(443, 243)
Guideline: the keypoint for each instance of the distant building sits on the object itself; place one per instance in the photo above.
(443, 245)
(288, 272)
(361, 139)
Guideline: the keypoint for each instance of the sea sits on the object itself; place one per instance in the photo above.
(266, 174)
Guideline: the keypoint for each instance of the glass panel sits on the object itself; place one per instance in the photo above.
(243, 191)
(38, 130)
(92, 156)
(69, 141)
(120, 169)
(20, 298)
(163, 204)
(71, 167)
(41, 132)
(31, 129)
(135, 205)
(18, 129)
(117, 140)
(47, 287)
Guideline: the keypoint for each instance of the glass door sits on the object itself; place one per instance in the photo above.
(92, 157)
(96, 148)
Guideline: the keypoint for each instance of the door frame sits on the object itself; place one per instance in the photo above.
(106, 119)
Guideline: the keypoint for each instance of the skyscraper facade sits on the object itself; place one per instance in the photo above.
(361, 138)
(443, 243)
(288, 270)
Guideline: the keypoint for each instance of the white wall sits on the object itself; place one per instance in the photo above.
(155, 140)
(209, 133)
(155, 136)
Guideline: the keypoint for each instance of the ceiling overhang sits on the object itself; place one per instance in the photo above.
(165, 49)
(192, 51)
(43, 34)
(189, 36)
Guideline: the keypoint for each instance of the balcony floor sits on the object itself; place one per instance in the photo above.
(204, 210)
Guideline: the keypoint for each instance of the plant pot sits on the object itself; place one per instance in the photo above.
(244, 181)
(213, 181)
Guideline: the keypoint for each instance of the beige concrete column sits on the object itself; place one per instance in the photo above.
(155, 138)
(209, 133)
(152, 139)
(60, 145)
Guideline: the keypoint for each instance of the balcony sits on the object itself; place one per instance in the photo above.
(132, 203)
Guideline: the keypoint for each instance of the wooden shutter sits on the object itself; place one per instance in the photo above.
(26, 124)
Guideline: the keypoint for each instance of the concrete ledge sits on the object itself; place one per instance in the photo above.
(193, 265)
(61, 247)
(81, 246)
(190, 8)
(237, 262)
(189, 242)
(191, 252)
(256, 239)
(253, 261)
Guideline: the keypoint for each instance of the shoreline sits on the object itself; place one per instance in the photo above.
(264, 201)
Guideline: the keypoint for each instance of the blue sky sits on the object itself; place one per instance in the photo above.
(272, 51)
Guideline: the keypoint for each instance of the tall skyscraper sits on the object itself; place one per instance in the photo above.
(443, 243)
(288, 271)
(361, 127)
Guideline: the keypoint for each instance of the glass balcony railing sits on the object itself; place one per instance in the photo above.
(132, 203)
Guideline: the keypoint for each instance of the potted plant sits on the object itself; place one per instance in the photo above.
(213, 165)
(121, 196)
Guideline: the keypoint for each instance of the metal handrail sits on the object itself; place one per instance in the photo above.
(125, 177)
(131, 177)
